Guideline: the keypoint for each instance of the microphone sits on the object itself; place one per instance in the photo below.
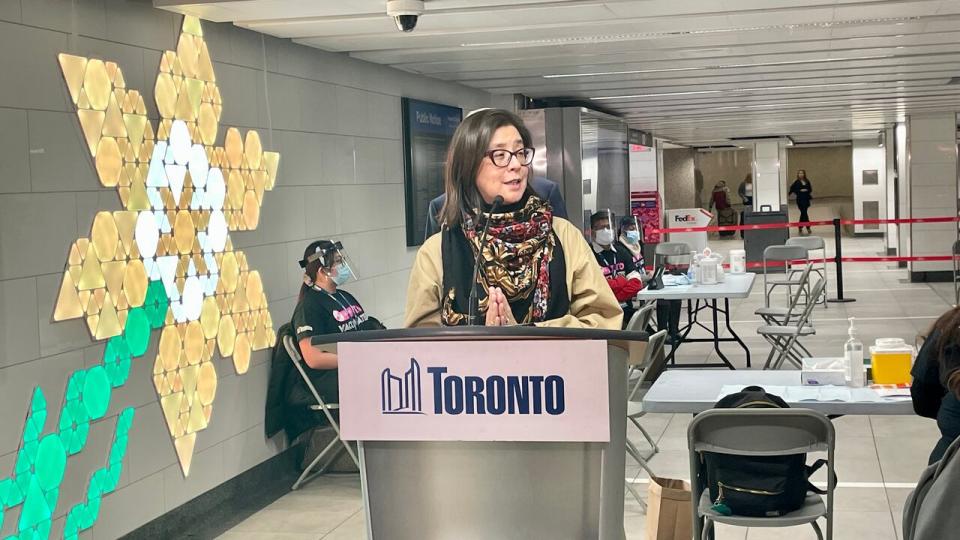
(473, 303)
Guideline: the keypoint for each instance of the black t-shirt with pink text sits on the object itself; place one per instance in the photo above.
(320, 312)
(616, 261)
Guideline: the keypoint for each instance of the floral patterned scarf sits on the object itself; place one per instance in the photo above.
(517, 258)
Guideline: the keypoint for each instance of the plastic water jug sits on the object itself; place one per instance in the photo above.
(738, 261)
(708, 270)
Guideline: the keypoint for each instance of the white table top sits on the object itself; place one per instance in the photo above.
(733, 286)
(696, 390)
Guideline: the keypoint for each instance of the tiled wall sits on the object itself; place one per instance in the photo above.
(932, 149)
(336, 123)
(830, 169)
(731, 166)
(868, 156)
(681, 189)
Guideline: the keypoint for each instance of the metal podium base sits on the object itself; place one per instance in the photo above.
(503, 490)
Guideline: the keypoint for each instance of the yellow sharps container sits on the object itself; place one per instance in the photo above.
(891, 359)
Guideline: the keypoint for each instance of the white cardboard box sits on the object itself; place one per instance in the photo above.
(823, 371)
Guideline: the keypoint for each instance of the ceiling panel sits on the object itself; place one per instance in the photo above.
(691, 71)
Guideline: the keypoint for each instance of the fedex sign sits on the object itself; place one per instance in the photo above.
(488, 390)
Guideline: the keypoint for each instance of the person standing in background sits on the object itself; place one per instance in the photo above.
(804, 192)
(720, 199)
(745, 191)
(547, 190)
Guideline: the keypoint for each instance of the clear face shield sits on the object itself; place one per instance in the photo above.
(603, 228)
(630, 230)
(335, 263)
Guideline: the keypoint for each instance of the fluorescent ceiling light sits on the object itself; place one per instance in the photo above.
(718, 66)
(730, 91)
(604, 38)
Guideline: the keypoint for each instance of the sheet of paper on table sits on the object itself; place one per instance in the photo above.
(670, 280)
(892, 390)
(796, 394)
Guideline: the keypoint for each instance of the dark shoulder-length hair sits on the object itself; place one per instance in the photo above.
(464, 156)
(314, 266)
(946, 331)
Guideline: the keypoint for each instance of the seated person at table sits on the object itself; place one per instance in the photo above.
(616, 262)
(323, 308)
(631, 239)
(936, 379)
(535, 268)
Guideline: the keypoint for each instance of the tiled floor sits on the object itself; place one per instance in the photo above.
(878, 458)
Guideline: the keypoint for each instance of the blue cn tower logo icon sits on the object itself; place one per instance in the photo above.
(401, 395)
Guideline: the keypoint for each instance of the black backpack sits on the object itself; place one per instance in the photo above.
(758, 486)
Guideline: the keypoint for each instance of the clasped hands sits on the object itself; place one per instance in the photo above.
(498, 309)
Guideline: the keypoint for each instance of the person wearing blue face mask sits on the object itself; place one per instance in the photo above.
(630, 239)
(324, 308)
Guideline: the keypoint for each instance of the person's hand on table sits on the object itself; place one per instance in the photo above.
(498, 309)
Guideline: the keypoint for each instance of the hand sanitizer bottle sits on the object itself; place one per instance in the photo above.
(693, 269)
(853, 359)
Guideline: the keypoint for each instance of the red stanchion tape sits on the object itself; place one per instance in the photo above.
(944, 219)
(774, 264)
(760, 226)
(755, 227)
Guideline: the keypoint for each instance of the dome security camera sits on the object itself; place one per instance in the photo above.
(405, 13)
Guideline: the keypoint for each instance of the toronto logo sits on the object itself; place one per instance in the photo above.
(401, 395)
(454, 394)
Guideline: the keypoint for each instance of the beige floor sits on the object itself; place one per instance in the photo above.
(878, 458)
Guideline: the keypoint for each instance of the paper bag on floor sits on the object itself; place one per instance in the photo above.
(669, 511)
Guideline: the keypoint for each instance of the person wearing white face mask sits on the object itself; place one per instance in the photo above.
(616, 262)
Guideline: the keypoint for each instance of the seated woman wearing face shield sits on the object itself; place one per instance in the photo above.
(631, 240)
(535, 268)
(324, 308)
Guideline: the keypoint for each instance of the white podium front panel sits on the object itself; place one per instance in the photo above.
(536, 391)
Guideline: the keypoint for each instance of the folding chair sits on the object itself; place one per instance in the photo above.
(784, 339)
(814, 243)
(640, 320)
(760, 432)
(785, 255)
(650, 367)
(956, 273)
(321, 405)
(780, 315)
(665, 251)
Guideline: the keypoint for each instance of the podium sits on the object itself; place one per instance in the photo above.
(527, 439)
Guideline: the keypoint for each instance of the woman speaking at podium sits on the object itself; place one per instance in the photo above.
(501, 257)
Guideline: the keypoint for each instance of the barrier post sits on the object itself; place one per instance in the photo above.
(838, 259)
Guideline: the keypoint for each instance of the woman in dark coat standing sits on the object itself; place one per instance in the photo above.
(804, 191)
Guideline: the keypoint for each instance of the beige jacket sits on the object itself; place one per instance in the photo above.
(592, 303)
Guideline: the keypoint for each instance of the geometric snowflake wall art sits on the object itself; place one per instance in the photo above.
(166, 262)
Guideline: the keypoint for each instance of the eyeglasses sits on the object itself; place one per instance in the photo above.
(501, 158)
